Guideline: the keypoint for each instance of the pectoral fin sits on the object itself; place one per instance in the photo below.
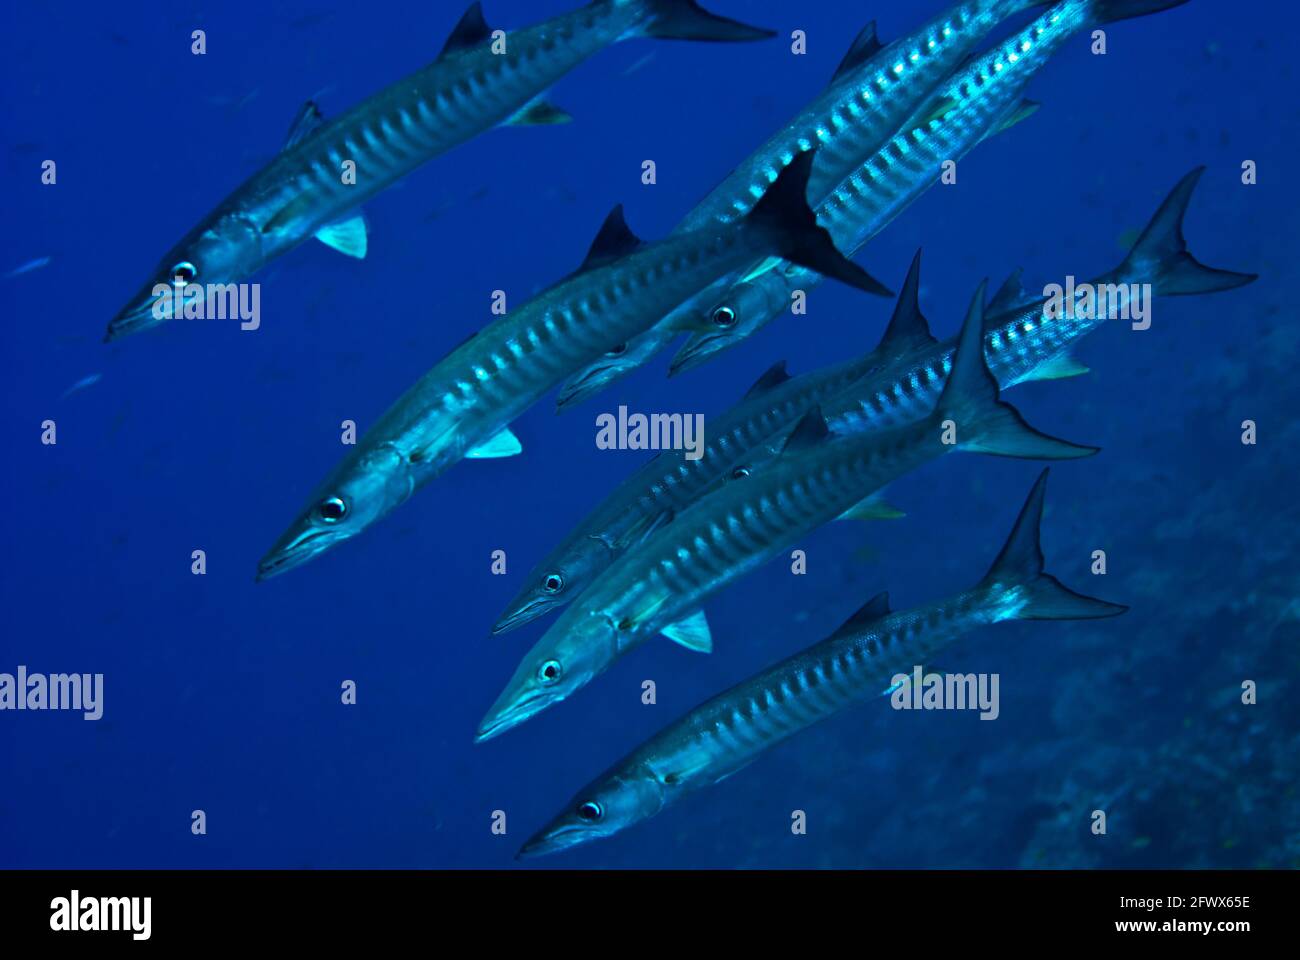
(500, 444)
(538, 113)
(873, 508)
(345, 236)
(692, 633)
(1059, 367)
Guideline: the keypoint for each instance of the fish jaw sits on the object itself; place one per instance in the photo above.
(575, 649)
(224, 250)
(563, 575)
(304, 541)
(698, 350)
(361, 491)
(136, 317)
(613, 366)
(522, 699)
(613, 803)
(563, 833)
(740, 312)
(524, 609)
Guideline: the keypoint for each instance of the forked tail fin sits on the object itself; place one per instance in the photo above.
(792, 232)
(983, 423)
(1160, 256)
(687, 20)
(1019, 572)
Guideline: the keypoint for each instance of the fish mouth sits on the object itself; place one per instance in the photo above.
(551, 840)
(526, 613)
(505, 716)
(132, 319)
(589, 384)
(285, 556)
(695, 352)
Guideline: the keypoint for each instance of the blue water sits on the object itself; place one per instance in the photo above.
(223, 695)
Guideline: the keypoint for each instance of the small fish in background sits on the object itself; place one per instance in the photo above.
(450, 202)
(234, 105)
(87, 381)
(27, 267)
(639, 64)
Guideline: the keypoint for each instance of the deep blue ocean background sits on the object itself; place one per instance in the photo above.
(222, 694)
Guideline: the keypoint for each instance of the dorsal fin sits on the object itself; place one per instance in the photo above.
(1021, 558)
(774, 376)
(307, 122)
(865, 46)
(874, 609)
(1009, 295)
(908, 328)
(471, 31)
(808, 433)
(613, 241)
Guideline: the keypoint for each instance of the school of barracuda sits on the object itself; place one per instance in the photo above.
(796, 451)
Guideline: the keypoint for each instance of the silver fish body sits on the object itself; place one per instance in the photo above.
(663, 583)
(469, 89)
(976, 102)
(474, 392)
(1028, 341)
(462, 406)
(670, 483)
(869, 99)
(856, 663)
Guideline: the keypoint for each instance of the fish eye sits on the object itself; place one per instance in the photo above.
(617, 351)
(724, 317)
(591, 811)
(185, 271)
(554, 583)
(550, 671)
(331, 509)
(740, 473)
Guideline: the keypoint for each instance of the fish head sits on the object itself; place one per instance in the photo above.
(617, 362)
(222, 252)
(362, 490)
(575, 649)
(739, 312)
(606, 807)
(556, 581)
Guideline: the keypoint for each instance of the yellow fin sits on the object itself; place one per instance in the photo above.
(1058, 368)
(872, 508)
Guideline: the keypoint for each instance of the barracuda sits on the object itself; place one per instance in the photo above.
(978, 101)
(662, 585)
(899, 381)
(853, 664)
(872, 93)
(1022, 342)
(461, 408)
(669, 483)
(469, 89)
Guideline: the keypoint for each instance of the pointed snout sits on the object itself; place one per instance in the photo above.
(695, 352)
